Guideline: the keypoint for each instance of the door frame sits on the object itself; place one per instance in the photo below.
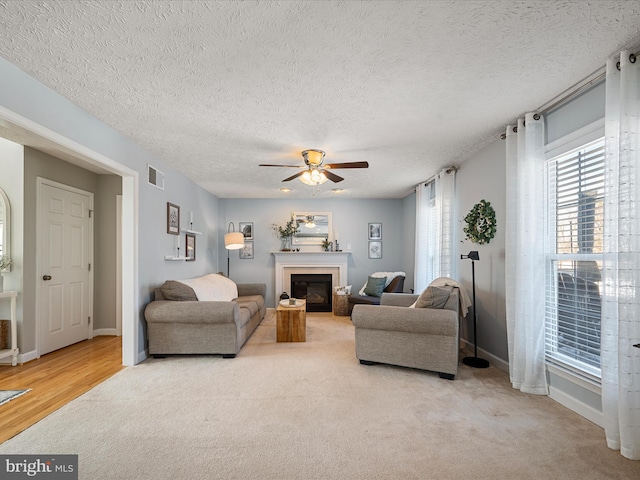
(40, 182)
(131, 355)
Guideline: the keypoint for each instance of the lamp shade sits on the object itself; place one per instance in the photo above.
(234, 240)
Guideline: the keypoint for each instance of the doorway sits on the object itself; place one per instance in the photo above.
(65, 259)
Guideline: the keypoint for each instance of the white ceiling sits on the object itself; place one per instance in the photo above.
(215, 88)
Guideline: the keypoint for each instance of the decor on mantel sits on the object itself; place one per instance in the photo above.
(481, 223)
(286, 233)
(232, 241)
(326, 244)
(474, 361)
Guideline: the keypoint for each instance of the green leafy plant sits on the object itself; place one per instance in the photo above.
(480, 223)
(5, 261)
(288, 231)
(326, 244)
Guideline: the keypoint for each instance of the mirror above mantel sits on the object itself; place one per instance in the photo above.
(5, 226)
(313, 228)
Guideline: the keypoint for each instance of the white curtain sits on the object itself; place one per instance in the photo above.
(434, 229)
(620, 361)
(525, 254)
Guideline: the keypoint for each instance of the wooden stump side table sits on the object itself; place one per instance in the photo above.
(291, 323)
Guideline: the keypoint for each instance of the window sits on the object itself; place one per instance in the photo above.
(575, 208)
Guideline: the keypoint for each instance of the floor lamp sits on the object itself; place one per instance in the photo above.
(232, 241)
(474, 361)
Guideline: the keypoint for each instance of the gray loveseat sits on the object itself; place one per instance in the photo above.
(204, 327)
(424, 338)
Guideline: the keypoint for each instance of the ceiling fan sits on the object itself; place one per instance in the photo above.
(315, 170)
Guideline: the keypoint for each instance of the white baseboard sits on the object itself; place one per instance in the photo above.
(577, 406)
(111, 332)
(497, 362)
(22, 358)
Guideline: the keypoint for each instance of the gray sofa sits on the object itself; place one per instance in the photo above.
(204, 327)
(423, 338)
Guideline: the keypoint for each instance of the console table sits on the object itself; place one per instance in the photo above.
(12, 351)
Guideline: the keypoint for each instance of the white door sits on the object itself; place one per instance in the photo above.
(65, 256)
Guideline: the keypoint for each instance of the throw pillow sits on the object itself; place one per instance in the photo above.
(375, 286)
(433, 297)
(178, 292)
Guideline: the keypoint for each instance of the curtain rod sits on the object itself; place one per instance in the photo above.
(448, 170)
(580, 87)
(577, 89)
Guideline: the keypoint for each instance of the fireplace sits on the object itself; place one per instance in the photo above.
(314, 288)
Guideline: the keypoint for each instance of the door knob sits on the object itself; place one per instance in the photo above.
(46, 277)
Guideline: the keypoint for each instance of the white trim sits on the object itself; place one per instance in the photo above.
(22, 358)
(107, 332)
(130, 296)
(577, 406)
(577, 139)
(118, 265)
(575, 378)
(40, 182)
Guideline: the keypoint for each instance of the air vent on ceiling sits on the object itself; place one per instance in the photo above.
(155, 177)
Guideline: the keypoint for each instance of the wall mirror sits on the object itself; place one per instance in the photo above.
(313, 228)
(5, 226)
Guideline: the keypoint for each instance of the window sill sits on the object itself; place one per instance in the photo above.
(581, 379)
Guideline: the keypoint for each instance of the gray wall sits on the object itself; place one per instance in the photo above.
(105, 240)
(483, 176)
(350, 217)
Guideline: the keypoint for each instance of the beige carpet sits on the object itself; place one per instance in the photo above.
(311, 411)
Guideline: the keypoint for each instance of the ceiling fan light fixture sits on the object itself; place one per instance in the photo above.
(313, 157)
(309, 223)
(313, 177)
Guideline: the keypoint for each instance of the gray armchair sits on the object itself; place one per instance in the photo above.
(394, 334)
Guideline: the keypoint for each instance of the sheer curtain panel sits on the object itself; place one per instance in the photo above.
(434, 229)
(525, 254)
(620, 361)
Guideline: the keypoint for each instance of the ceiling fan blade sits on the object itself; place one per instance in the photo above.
(293, 176)
(348, 165)
(272, 165)
(332, 176)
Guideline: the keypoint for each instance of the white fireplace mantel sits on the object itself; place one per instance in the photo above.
(309, 262)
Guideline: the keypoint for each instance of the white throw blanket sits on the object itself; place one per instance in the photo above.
(389, 276)
(465, 303)
(213, 288)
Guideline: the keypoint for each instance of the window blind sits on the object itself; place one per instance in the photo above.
(575, 186)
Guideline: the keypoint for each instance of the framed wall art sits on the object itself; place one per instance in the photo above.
(247, 230)
(375, 249)
(173, 219)
(375, 231)
(191, 247)
(247, 250)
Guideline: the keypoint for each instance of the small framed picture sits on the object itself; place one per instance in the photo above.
(173, 219)
(375, 249)
(247, 230)
(375, 231)
(247, 250)
(191, 247)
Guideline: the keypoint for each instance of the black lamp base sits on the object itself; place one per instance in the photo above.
(475, 362)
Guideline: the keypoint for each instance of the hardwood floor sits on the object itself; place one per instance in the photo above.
(55, 379)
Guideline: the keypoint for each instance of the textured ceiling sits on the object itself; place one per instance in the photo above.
(215, 88)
